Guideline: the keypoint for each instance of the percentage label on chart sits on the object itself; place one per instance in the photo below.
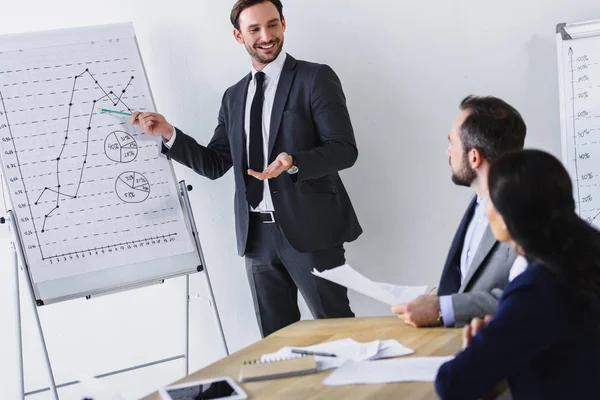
(583, 133)
(582, 59)
(587, 199)
(587, 177)
(584, 156)
(582, 114)
(582, 67)
(583, 95)
(583, 78)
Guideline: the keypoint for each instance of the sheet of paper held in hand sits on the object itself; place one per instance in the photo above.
(387, 293)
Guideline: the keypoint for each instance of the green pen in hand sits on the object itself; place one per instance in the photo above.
(104, 110)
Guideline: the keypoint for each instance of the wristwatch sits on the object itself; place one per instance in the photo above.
(440, 318)
(294, 168)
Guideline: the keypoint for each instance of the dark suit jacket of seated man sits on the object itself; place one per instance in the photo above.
(477, 266)
(481, 288)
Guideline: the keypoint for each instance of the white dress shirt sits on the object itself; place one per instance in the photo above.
(272, 73)
(473, 236)
(518, 267)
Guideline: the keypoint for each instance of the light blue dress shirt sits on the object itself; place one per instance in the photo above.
(475, 231)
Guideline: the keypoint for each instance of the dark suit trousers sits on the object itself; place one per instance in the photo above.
(276, 271)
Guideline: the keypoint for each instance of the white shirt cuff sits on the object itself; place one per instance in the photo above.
(169, 144)
(447, 310)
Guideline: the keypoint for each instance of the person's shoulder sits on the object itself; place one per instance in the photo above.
(310, 67)
(538, 277)
(537, 270)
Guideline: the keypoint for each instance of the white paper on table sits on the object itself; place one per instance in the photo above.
(391, 348)
(346, 350)
(411, 369)
(347, 276)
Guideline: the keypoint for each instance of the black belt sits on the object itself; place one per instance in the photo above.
(267, 217)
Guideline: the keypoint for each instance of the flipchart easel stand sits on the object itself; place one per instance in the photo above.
(18, 256)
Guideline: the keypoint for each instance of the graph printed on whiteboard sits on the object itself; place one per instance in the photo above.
(87, 187)
(581, 84)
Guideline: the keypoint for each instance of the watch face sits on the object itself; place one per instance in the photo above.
(292, 170)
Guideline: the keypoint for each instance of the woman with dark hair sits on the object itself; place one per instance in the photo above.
(545, 337)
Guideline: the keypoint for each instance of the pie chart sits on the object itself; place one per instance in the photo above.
(132, 187)
(120, 147)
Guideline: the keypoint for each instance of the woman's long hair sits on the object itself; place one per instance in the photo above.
(533, 192)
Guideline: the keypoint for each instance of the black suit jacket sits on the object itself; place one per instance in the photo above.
(450, 280)
(309, 120)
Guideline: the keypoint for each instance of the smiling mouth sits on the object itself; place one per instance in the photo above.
(266, 47)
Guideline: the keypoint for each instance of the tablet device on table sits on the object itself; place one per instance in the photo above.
(208, 389)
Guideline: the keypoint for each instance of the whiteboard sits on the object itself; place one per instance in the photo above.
(96, 203)
(579, 82)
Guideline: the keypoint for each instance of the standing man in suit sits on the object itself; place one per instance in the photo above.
(477, 266)
(285, 130)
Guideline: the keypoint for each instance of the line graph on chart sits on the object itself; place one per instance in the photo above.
(582, 116)
(58, 189)
(84, 184)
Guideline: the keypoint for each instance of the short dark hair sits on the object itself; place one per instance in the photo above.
(493, 127)
(241, 5)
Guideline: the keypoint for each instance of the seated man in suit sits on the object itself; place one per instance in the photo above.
(477, 266)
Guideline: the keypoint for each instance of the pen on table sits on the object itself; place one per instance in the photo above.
(104, 110)
(313, 353)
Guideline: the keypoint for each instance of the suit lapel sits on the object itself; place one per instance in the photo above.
(488, 241)
(450, 281)
(281, 95)
(238, 111)
(459, 238)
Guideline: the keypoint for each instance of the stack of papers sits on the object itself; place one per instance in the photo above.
(411, 369)
(384, 292)
(346, 350)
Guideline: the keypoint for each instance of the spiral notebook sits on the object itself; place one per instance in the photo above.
(257, 370)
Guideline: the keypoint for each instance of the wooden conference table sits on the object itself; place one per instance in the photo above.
(425, 342)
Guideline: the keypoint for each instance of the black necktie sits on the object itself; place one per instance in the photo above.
(254, 188)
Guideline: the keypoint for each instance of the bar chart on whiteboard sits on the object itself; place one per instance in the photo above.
(90, 191)
(581, 122)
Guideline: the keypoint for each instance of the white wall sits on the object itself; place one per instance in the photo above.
(404, 66)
